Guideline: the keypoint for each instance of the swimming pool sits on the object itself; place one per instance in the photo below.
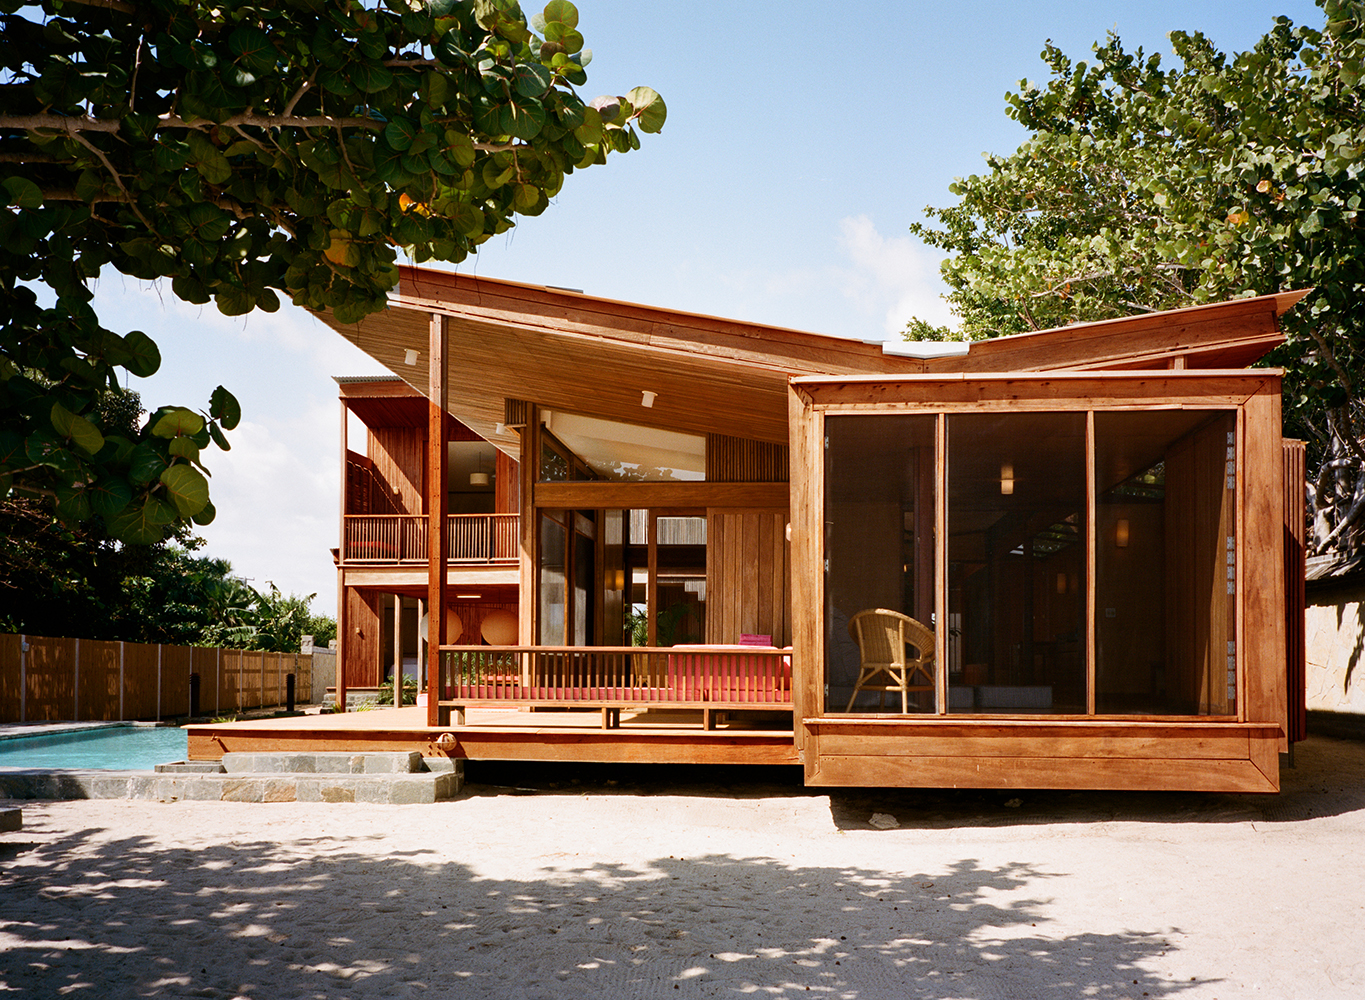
(122, 748)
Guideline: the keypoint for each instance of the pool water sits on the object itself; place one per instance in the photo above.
(125, 748)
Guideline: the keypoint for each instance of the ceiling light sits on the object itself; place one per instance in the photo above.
(647, 398)
(410, 356)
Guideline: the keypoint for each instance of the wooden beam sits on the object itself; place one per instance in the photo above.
(602, 495)
(438, 360)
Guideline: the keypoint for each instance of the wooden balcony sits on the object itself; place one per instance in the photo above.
(612, 678)
(395, 539)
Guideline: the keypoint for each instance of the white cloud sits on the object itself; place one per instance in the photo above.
(895, 276)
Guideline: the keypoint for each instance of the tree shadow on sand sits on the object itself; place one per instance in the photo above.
(303, 919)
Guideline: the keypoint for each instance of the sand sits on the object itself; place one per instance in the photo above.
(647, 882)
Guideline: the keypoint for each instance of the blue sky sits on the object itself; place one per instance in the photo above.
(802, 140)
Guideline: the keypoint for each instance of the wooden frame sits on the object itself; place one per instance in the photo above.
(839, 748)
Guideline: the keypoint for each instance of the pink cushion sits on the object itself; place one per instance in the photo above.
(748, 639)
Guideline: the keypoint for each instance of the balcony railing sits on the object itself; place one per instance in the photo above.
(471, 539)
(721, 676)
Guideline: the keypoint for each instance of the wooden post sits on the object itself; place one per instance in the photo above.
(436, 513)
(342, 623)
(76, 686)
(421, 644)
(121, 685)
(23, 678)
(397, 650)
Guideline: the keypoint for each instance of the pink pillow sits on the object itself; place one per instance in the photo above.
(746, 639)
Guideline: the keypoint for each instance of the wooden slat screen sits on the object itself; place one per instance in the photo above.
(740, 460)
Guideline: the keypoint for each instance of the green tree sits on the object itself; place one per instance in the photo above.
(323, 629)
(74, 580)
(270, 621)
(247, 151)
(1143, 187)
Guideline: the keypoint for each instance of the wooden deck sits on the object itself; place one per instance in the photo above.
(643, 736)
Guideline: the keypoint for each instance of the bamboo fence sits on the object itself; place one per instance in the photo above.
(48, 680)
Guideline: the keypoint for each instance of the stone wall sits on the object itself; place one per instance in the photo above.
(1334, 629)
(324, 676)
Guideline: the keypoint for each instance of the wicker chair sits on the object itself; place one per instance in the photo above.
(882, 637)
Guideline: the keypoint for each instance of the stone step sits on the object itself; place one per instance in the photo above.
(388, 788)
(11, 819)
(332, 762)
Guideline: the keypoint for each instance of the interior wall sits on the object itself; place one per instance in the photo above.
(748, 576)
(1199, 609)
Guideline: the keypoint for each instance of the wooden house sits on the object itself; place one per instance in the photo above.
(1096, 530)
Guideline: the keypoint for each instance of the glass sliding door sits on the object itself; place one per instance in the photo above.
(1017, 523)
(1165, 563)
(879, 556)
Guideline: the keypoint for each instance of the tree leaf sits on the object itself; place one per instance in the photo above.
(145, 359)
(563, 12)
(531, 79)
(76, 429)
(23, 193)
(224, 408)
(145, 464)
(649, 108)
(143, 524)
(109, 495)
(187, 488)
(177, 420)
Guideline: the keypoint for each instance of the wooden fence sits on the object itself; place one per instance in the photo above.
(48, 680)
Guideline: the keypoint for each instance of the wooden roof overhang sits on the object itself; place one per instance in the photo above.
(565, 350)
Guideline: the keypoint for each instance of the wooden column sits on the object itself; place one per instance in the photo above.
(436, 513)
(397, 650)
(343, 623)
(421, 645)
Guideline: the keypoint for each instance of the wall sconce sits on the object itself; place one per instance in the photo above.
(1121, 533)
(1061, 583)
(1006, 479)
(647, 398)
(410, 356)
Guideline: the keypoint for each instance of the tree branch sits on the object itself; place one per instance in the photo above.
(74, 125)
(298, 94)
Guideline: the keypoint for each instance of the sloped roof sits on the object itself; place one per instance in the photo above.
(566, 350)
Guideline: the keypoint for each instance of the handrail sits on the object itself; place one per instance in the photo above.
(402, 538)
(660, 675)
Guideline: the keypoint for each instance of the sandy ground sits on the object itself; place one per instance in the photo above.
(544, 881)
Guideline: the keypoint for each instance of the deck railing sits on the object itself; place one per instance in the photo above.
(598, 675)
(402, 538)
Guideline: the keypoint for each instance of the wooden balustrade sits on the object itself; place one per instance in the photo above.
(684, 676)
(402, 538)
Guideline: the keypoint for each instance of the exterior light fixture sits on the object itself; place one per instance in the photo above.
(1121, 533)
(647, 398)
(1061, 583)
(410, 356)
(1006, 479)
